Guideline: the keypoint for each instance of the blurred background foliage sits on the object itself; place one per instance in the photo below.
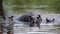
(23, 5)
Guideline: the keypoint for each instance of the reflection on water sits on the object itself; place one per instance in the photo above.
(45, 29)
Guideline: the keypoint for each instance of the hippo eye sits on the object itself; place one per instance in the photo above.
(37, 17)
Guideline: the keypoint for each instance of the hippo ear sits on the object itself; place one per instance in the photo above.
(4, 17)
(11, 16)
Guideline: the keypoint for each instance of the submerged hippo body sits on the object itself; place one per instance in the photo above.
(24, 18)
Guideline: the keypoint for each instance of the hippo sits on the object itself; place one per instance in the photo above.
(38, 21)
(31, 19)
(49, 21)
(9, 23)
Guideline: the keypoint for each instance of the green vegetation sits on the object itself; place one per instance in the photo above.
(21, 5)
